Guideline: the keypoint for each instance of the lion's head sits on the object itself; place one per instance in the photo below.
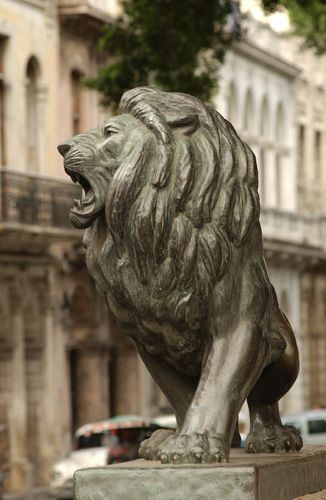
(178, 187)
(93, 158)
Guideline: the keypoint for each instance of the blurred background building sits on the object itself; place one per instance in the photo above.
(63, 361)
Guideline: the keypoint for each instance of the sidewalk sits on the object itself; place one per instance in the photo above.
(36, 494)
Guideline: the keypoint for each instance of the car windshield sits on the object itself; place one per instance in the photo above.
(95, 440)
(317, 426)
(126, 444)
(112, 438)
(89, 440)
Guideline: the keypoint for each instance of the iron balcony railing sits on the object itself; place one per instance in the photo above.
(41, 201)
(35, 200)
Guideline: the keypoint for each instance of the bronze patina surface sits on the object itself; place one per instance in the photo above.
(171, 218)
(272, 476)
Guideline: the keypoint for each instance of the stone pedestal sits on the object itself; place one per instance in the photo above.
(245, 477)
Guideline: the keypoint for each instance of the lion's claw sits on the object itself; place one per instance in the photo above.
(193, 448)
(148, 448)
(273, 438)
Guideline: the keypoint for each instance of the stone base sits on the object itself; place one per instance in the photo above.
(245, 477)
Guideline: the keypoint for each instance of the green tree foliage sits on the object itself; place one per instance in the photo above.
(308, 18)
(176, 45)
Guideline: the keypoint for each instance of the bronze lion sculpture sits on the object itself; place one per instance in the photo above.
(171, 212)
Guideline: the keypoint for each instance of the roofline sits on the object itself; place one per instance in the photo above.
(257, 54)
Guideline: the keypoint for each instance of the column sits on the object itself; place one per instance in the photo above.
(19, 474)
(146, 389)
(49, 422)
(92, 385)
(126, 388)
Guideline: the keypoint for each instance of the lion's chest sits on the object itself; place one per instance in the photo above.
(145, 316)
(181, 347)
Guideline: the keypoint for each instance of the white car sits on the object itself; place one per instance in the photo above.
(311, 425)
(63, 470)
(92, 443)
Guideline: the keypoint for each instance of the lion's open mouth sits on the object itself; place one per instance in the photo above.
(85, 209)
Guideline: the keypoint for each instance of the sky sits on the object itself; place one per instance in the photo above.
(279, 21)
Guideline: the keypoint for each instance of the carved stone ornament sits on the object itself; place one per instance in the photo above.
(171, 217)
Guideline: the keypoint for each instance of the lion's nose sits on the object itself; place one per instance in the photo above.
(64, 148)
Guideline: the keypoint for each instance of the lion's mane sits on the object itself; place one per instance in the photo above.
(177, 209)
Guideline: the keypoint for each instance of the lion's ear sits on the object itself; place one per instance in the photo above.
(188, 123)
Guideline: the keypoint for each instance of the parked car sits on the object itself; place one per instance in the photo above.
(311, 425)
(93, 445)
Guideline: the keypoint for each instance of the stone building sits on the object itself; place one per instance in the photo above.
(63, 361)
(275, 93)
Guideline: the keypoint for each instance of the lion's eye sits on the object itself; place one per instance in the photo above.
(109, 131)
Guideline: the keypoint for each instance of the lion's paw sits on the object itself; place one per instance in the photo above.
(193, 448)
(273, 438)
(148, 447)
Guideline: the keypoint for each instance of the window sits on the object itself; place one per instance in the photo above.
(316, 426)
(278, 179)
(280, 129)
(265, 120)
(32, 118)
(317, 154)
(249, 119)
(301, 151)
(76, 98)
(232, 109)
(279, 154)
(2, 102)
(262, 175)
(284, 303)
(264, 135)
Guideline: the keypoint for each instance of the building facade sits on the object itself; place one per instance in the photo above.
(63, 361)
(274, 93)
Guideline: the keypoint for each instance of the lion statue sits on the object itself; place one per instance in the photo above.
(171, 212)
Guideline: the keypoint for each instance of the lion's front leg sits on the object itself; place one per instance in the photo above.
(233, 366)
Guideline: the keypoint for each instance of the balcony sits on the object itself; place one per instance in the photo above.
(295, 234)
(39, 207)
(36, 206)
(85, 15)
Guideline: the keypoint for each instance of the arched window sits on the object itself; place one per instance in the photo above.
(279, 144)
(317, 155)
(301, 152)
(279, 125)
(3, 42)
(264, 132)
(76, 101)
(232, 105)
(32, 114)
(249, 115)
(284, 303)
(265, 119)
